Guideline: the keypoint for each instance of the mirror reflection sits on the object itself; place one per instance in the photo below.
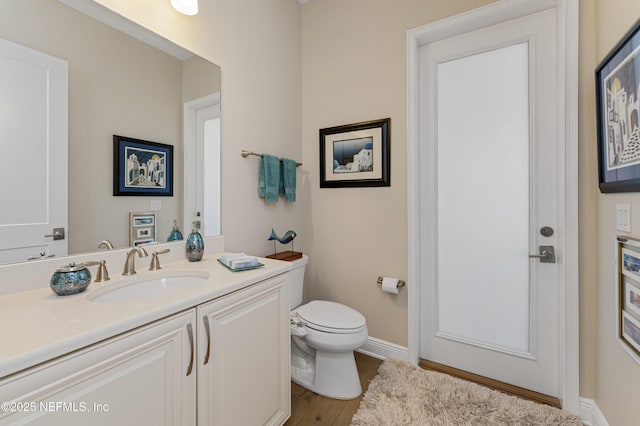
(115, 85)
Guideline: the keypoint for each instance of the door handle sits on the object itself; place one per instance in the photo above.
(206, 327)
(42, 256)
(190, 334)
(58, 234)
(547, 254)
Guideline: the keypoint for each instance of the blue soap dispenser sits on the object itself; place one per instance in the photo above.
(175, 234)
(195, 244)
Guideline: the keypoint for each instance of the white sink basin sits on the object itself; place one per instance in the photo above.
(149, 287)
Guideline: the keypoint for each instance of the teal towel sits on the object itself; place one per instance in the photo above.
(288, 179)
(262, 186)
(269, 181)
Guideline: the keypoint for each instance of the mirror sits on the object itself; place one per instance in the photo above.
(120, 85)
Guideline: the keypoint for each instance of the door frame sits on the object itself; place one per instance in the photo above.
(567, 12)
(194, 176)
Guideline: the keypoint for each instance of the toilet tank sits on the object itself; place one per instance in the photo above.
(296, 285)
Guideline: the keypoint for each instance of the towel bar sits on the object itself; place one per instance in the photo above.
(244, 153)
(400, 282)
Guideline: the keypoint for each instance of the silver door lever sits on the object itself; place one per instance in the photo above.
(58, 234)
(547, 254)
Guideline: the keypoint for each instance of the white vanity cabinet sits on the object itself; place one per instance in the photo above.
(244, 357)
(141, 377)
(222, 363)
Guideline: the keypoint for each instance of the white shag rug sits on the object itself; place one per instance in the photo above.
(405, 394)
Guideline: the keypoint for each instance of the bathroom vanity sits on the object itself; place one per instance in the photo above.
(216, 352)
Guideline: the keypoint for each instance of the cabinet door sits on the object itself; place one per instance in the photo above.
(138, 378)
(244, 358)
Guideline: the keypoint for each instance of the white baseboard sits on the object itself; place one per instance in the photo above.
(591, 414)
(382, 349)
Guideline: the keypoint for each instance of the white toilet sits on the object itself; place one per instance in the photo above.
(324, 335)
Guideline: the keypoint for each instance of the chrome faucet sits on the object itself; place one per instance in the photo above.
(129, 264)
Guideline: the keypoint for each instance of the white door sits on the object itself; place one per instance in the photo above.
(33, 153)
(490, 133)
(208, 125)
(202, 154)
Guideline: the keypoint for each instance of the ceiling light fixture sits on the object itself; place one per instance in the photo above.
(188, 7)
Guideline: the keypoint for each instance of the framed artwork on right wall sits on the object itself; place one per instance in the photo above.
(355, 155)
(618, 115)
(628, 295)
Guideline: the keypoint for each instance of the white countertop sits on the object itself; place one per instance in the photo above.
(37, 325)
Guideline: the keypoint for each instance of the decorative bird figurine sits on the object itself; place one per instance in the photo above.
(286, 238)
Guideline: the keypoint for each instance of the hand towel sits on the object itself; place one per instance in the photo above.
(245, 262)
(269, 180)
(239, 260)
(262, 185)
(289, 179)
(281, 183)
(227, 258)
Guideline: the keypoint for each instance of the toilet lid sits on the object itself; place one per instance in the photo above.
(331, 315)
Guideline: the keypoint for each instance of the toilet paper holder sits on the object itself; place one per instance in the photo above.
(400, 282)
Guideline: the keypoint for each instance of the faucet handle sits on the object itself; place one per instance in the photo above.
(102, 274)
(155, 263)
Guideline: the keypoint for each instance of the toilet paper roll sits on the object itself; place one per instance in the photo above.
(390, 285)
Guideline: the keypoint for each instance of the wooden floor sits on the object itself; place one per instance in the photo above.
(308, 408)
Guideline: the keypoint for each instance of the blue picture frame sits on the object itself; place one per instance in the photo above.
(618, 115)
(142, 168)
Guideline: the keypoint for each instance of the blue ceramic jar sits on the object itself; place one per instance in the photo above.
(70, 279)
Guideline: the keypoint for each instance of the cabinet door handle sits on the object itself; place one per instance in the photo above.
(205, 319)
(190, 334)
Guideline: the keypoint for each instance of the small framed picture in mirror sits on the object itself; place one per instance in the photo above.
(142, 228)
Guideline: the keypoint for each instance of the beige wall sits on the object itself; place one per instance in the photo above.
(617, 375)
(354, 69)
(199, 78)
(257, 45)
(110, 92)
(588, 186)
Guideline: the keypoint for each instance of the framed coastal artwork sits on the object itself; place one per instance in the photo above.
(618, 115)
(355, 155)
(141, 167)
(142, 228)
(627, 290)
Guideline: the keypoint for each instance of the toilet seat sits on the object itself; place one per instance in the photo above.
(331, 317)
